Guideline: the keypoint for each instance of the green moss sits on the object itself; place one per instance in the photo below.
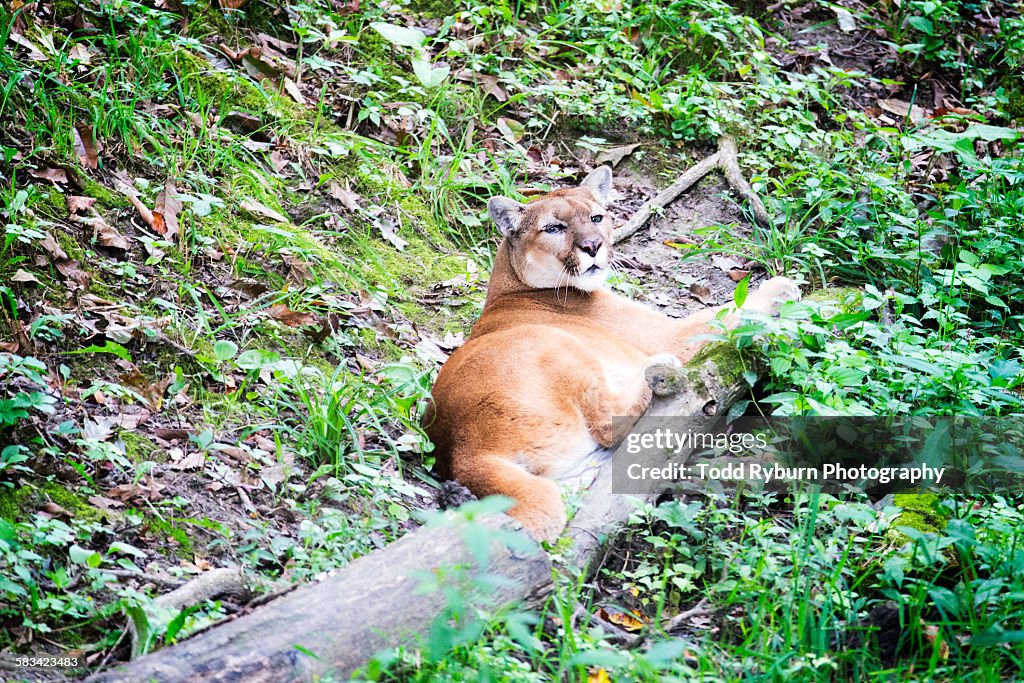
(432, 9)
(104, 197)
(52, 205)
(168, 531)
(920, 511)
(70, 245)
(726, 359)
(21, 503)
(64, 8)
(138, 448)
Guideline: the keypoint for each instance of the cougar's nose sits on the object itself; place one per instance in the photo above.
(590, 247)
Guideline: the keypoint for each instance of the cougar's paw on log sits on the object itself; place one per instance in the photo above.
(529, 399)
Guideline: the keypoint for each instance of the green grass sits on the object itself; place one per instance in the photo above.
(934, 249)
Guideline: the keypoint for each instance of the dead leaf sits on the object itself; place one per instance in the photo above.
(291, 318)
(25, 276)
(80, 53)
(292, 88)
(73, 272)
(932, 634)
(51, 510)
(34, 53)
(151, 392)
(489, 84)
(725, 262)
(54, 175)
(902, 109)
(256, 208)
(165, 213)
(615, 155)
(243, 122)
(78, 204)
(348, 198)
(845, 20)
(630, 622)
(127, 492)
(389, 232)
(702, 294)
(510, 129)
(103, 232)
(52, 247)
(104, 503)
(87, 147)
(737, 275)
(232, 4)
(598, 675)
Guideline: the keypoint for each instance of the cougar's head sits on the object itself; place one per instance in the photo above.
(562, 239)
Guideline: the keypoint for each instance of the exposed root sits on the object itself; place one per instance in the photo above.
(725, 161)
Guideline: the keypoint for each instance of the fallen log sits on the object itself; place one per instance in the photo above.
(376, 602)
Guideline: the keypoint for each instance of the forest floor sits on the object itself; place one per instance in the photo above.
(241, 238)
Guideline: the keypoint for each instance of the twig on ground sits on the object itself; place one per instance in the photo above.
(702, 608)
(724, 160)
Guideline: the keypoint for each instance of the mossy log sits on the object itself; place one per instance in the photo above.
(338, 624)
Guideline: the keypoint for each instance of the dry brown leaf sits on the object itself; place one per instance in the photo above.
(243, 122)
(151, 392)
(34, 53)
(80, 53)
(104, 503)
(630, 622)
(165, 213)
(291, 318)
(233, 4)
(510, 129)
(25, 276)
(73, 272)
(87, 147)
(254, 207)
(902, 109)
(292, 88)
(52, 247)
(54, 175)
(51, 510)
(389, 232)
(144, 213)
(102, 231)
(702, 294)
(348, 198)
(489, 84)
(614, 155)
(78, 204)
(737, 275)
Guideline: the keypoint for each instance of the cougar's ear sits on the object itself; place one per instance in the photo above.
(600, 183)
(506, 214)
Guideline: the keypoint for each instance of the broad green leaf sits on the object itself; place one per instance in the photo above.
(80, 555)
(739, 296)
(429, 76)
(400, 35)
(224, 350)
(109, 347)
(922, 24)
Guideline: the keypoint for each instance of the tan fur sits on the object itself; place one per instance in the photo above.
(553, 357)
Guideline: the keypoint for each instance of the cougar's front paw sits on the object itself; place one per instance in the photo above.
(662, 374)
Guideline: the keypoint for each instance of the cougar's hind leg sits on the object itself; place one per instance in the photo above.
(538, 501)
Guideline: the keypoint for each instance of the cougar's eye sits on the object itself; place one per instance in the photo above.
(554, 229)
(596, 219)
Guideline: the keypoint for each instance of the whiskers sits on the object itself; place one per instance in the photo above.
(563, 274)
